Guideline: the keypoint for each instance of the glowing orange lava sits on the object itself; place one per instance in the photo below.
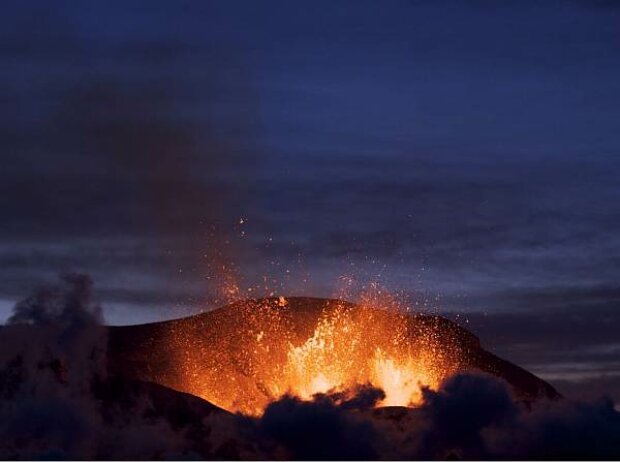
(258, 350)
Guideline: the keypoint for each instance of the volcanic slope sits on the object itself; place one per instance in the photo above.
(249, 353)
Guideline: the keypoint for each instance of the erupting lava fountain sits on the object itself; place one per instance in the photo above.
(249, 353)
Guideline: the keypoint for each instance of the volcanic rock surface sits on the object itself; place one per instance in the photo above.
(221, 356)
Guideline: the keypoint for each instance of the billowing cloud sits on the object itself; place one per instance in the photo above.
(470, 416)
(324, 428)
(57, 401)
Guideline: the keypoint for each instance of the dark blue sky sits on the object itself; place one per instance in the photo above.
(466, 154)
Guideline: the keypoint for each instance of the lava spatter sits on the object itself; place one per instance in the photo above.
(266, 348)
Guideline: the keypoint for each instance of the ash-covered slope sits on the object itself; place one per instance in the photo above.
(215, 355)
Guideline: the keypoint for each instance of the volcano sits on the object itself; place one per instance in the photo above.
(253, 379)
(249, 353)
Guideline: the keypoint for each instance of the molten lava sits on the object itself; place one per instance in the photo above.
(266, 348)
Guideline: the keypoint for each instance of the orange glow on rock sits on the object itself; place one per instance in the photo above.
(258, 350)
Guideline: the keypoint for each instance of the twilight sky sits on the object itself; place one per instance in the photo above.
(464, 154)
